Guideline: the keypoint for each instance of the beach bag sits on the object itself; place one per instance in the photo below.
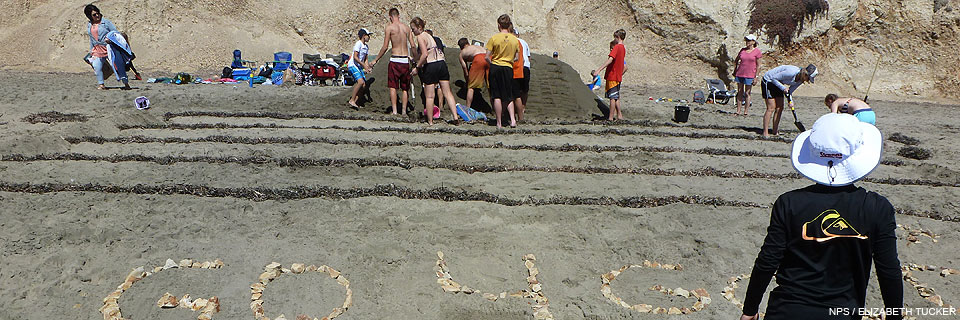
(182, 78)
(699, 97)
(265, 72)
(436, 112)
(469, 115)
(277, 77)
(227, 73)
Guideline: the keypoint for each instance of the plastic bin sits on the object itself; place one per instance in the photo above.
(681, 113)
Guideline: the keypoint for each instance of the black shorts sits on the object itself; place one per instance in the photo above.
(522, 85)
(770, 91)
(434, 72)
(501, 83)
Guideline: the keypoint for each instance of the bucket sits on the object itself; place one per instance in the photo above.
(681, 113)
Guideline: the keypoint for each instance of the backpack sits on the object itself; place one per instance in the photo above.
(266, 72)
(699, 97)
(182, 78)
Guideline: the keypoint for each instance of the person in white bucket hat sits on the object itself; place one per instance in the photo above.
(822, 238)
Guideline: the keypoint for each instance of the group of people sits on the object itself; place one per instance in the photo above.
(778, 84)
(502, 66)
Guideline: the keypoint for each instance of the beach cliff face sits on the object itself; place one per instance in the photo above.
(670, 42)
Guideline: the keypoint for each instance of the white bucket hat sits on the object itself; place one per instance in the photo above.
(838, 150)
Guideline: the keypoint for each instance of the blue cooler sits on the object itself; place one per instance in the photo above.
(241, 74)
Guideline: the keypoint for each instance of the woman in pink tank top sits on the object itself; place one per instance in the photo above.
(745, 71)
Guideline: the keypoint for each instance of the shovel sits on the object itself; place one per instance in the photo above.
(795, 120)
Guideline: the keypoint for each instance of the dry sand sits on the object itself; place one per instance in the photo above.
(308, 180)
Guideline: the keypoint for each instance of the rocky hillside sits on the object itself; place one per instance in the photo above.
(670, 42)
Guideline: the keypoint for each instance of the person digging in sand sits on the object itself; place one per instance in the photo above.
(476, 73)
(853, 106)
(614, 66)
(397, 36)
(432, 68)
(502, 52)
(358, 65)
(778, 83)
(823, 238)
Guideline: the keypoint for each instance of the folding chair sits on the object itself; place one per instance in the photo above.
(718, 91)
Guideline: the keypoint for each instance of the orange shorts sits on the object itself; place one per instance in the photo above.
(478, 72)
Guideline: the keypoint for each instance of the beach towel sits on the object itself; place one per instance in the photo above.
(468, 114)
(119, 54)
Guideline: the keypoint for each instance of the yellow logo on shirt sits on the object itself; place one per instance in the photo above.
(832, 226)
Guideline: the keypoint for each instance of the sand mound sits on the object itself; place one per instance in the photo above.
(556, 91)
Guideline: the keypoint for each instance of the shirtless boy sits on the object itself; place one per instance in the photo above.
(476, 74)
(856, 107)
(397, 36)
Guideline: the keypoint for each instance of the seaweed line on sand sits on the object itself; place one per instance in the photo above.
(457, 131)
(54, 117)
(364, 117)
(386, 144)
(298, 162)
(389, 190)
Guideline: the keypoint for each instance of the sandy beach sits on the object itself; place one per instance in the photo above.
(250, 176)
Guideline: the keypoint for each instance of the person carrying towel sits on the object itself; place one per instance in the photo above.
(98, 30)
(822, 239)
(778, 83)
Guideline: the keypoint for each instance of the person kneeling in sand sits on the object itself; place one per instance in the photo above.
(856, 107)
(477, 70)
(822, 239)
(432, 68)
(397, 36)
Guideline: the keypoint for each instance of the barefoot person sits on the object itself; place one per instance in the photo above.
(397, 36)
(614, 74)
(822, 239)
(432, 68)
(778, 83)
(97, 29)
(358, 65)
(856, 107)
(521, 76)
(745, 69)
(476, 71)
(501, 54)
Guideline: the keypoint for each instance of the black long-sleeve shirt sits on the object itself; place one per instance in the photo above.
(820, 243)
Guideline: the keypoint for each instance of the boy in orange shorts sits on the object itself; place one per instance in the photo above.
(476, 74)
(614, 74)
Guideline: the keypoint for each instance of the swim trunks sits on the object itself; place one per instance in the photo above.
(434, 72)
(613, 90)
(770, 91)
(479, 69)
(501, 83)
(866, 116)
(357, 73)
(398, 75)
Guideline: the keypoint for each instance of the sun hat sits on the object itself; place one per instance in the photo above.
(142, 103)
(812, 71)
(750, 37)
(838, 150)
